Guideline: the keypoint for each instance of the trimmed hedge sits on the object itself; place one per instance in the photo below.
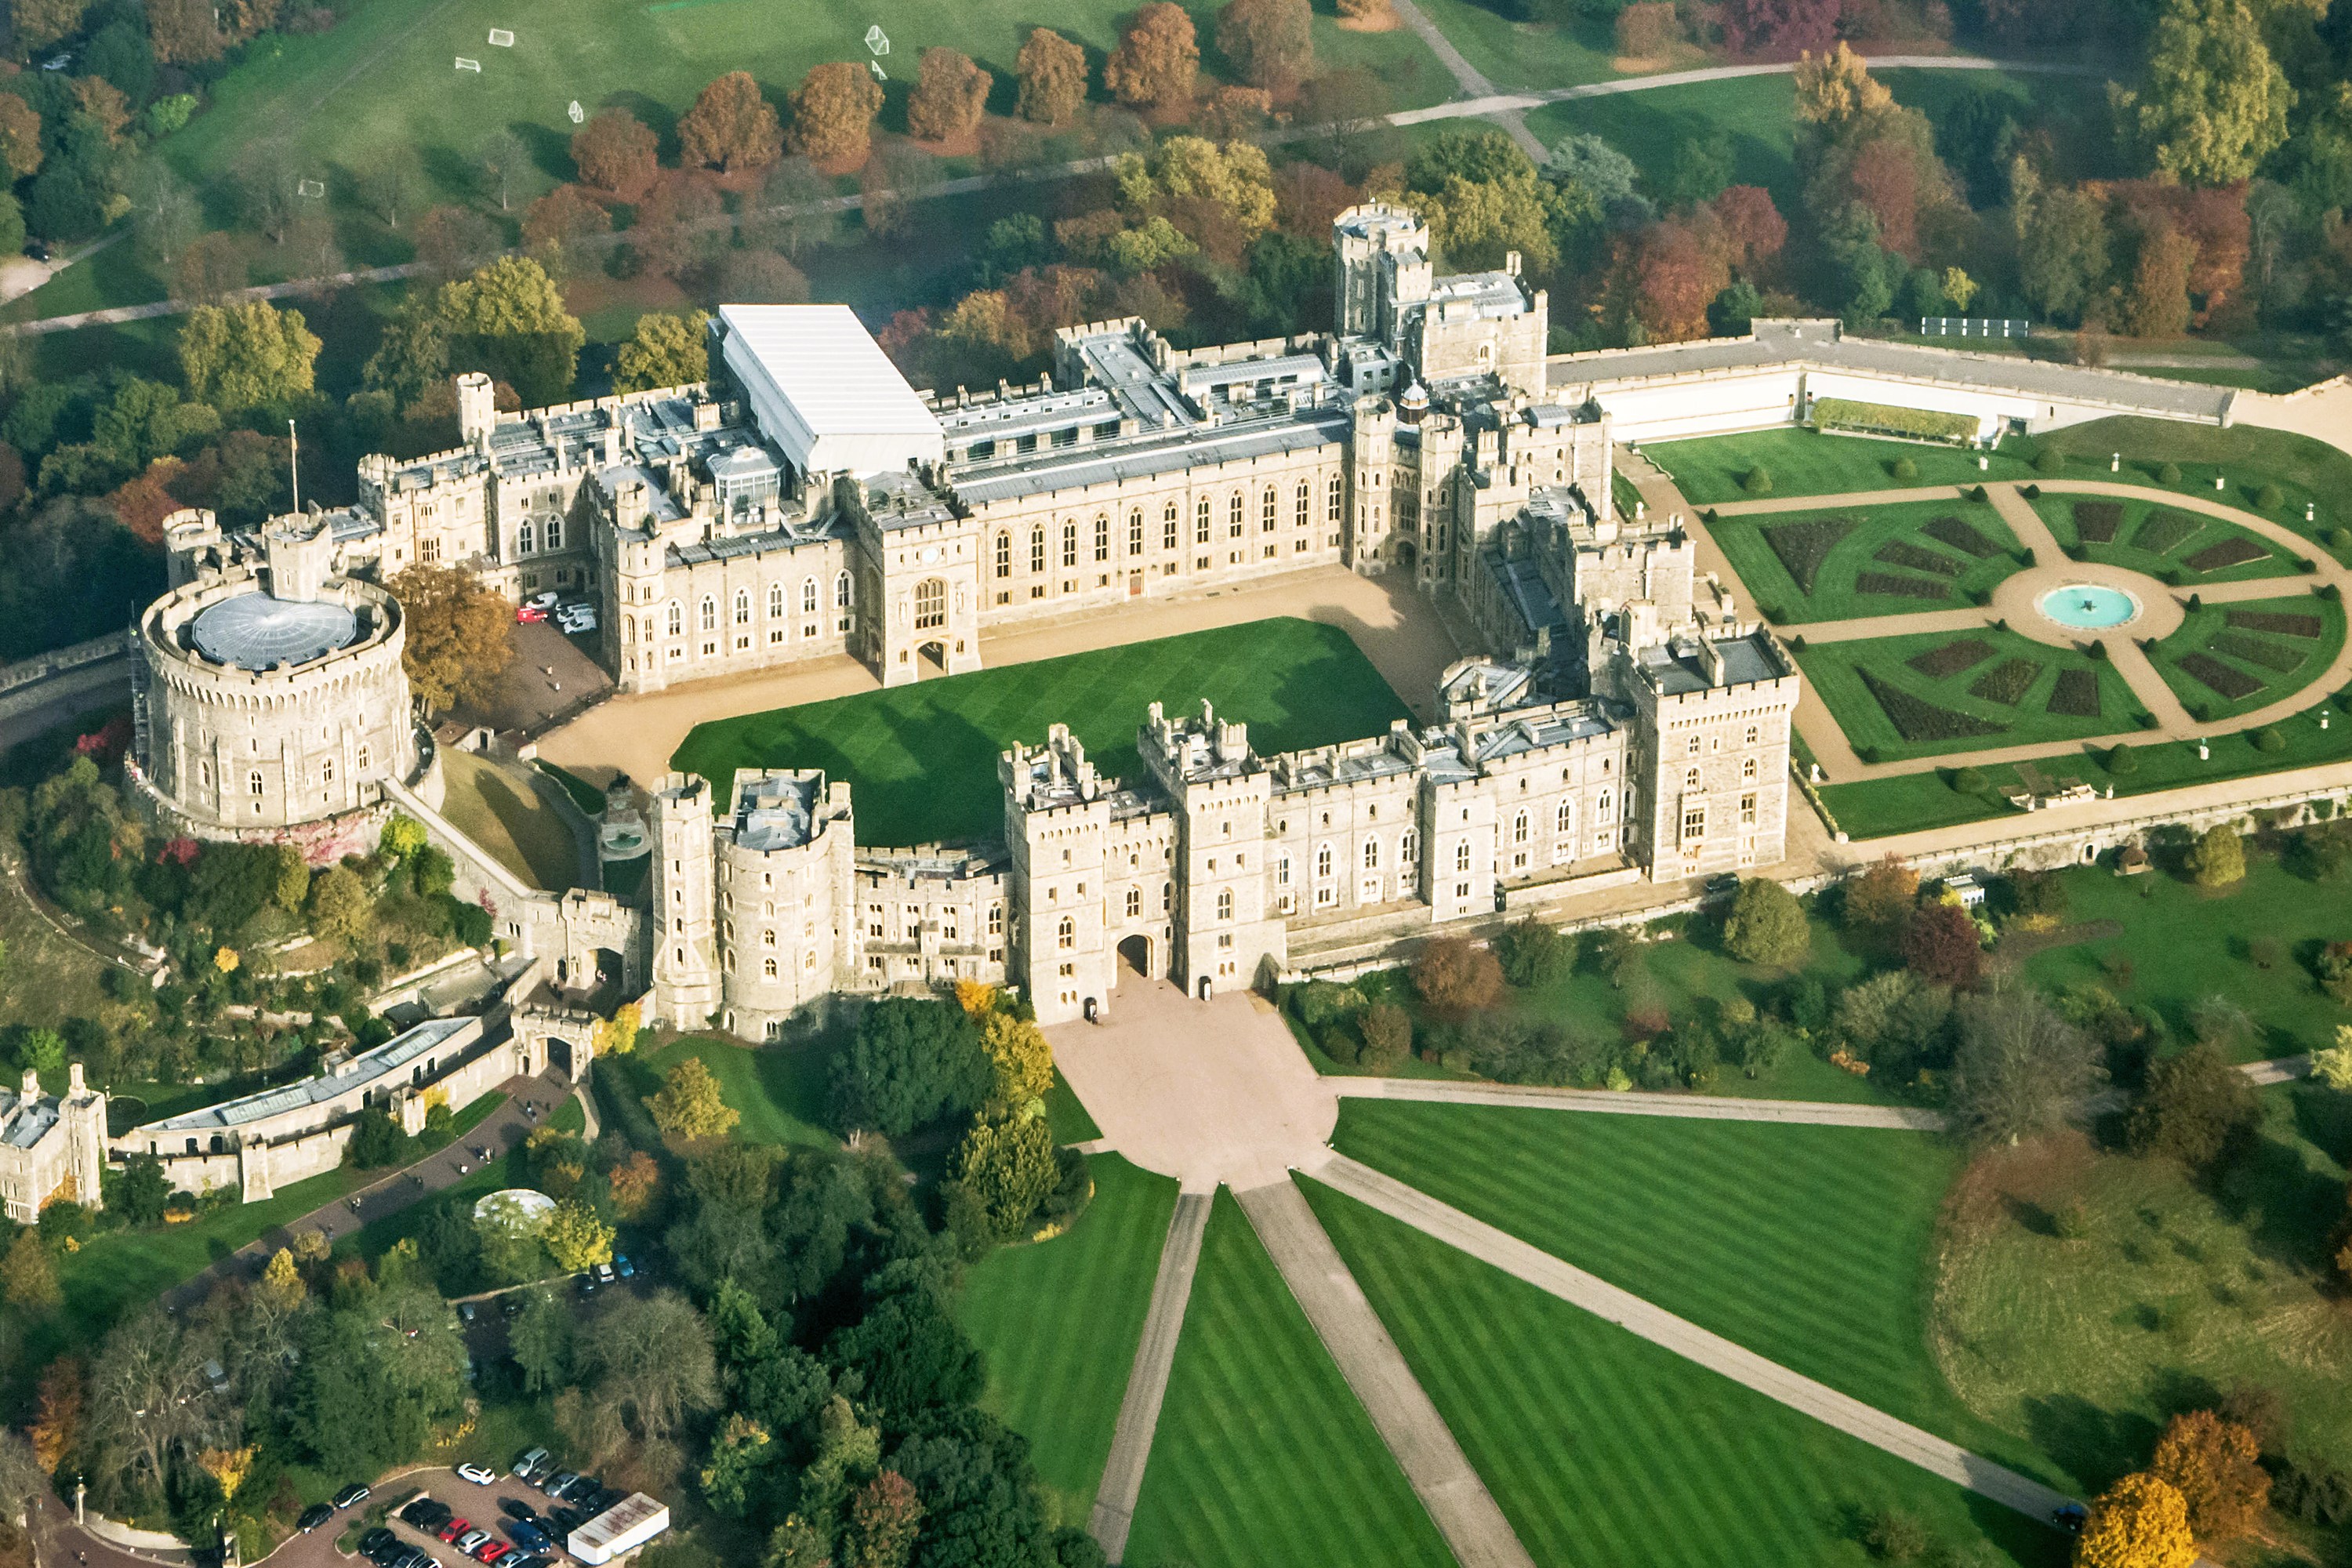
(1886, 419)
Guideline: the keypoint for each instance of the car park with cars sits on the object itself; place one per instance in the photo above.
(317, 1514)
(453, 1528)
(352, 1495)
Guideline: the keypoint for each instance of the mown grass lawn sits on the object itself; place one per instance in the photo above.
(923, 757)
(2125, 522)
(1601, 1447)
(1883, 560)
(1059, 1322)
(1915, 712)
(506, 816)
(2244, 458)
(779, 1090)
(1811, 1245)
(2255, 667)
(1262, 1457)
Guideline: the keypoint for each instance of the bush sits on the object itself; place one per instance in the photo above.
(1905, 469)
(2197, 1108)
(1535, 954)
(2169, 474)
(2339, 539)
(1456, 978)
(2099, 650)
(1976, 493)
(2218, 859)
(2269, 498)
(1969, 781)
(1767, 925)
(2268, 738)
(1758, 481)
(2031, 493)
(1388, 1035)
(2122, 761)
(2049, 460)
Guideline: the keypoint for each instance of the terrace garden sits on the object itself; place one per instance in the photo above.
(2173, 546)
(1869, 561)
(1931, 693)
(2231, 658)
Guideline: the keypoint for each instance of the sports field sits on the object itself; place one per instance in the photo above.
(1603, 1449)
(1811, 1245)
(1262, 1459)
(385, 81)
(1059, 1320)
(923, 757)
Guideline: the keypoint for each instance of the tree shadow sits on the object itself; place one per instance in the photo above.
(2095, 1445)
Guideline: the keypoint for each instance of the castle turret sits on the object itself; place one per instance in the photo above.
(681, 916)
(1057, 818)
(1226, 927)
(478, 409)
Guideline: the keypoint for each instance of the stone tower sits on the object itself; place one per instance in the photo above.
(1372, 437)
(1382, 255)
(1226, 924)
(680, 916)
(1057, 817)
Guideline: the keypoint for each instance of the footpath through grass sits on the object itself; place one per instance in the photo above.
(1604, 1448)
(1262, 1457)
(1811, 1245)
(923, 757)
(1059, 1322)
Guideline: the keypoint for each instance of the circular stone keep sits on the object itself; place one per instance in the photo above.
(2089, 606)
(254, 631)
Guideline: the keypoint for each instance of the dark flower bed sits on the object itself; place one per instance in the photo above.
(2076, 695)
(2287, 625)
(1804, 546)
(2007, 682)
(1906, 588)
(2218, 676)
(1916, 719)
(1903, 552)
(2235, 550)
(1951, 658)
(1960, 536)
(2096, 522)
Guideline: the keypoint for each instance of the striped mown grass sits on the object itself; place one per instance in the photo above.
(1811, 1245)
(1604, 1448)
(1059, 1322)
(1264, 1459)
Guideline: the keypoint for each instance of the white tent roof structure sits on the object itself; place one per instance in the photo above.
(824, 392)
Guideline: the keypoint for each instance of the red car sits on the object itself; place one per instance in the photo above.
(454, 1528)
(530, 613)
(491, 1551)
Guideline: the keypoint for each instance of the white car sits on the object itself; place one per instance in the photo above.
(542, 601)
(480, 1475)
(580, 618)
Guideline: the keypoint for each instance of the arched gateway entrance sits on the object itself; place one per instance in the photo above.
(1134, 957)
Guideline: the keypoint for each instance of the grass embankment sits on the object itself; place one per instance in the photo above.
(1059, 1321)
(779, 1090)
(508, 818)
(923, 757)
(1262, 1457)
(1933, 693)
(1836, 565)
(1810, 1245)
(1601, 1447)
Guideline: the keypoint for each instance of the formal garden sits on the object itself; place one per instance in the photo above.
(1931, 693)
(2182, 549)
(1869, 561)
(923, 757)
(2225, 659)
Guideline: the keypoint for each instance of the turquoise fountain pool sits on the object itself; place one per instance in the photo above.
(2089, 606)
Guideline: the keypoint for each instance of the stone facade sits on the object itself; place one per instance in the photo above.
(52, 1146)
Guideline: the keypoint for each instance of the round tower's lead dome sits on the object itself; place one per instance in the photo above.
(255, 631)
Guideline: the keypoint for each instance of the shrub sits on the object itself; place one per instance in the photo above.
(1905, 469)
(1767, 925)
(2049, 460)
(2269, 498)
(1758, 481)
(1969, 781)
(1456, 978)
(1976, 493)
(1388, 1035)
(1533, 953)
(2218, 859)
(2339, 539)
(2268, 738)
(2099, 650)
(1941, 946)
(2031, 493)
(2122, 761)
(2169, 474)
(2196, 1109)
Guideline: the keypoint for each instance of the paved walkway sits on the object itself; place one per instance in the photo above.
(1473, 81)
(1634, 1102)
(1687, 1339)
(1465, 1512)
(1147, 1381)
(1396, 626)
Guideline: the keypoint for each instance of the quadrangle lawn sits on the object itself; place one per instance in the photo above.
(1713, 470)
(1810, 1245)
(1059, 1321)
(1958, 711)
(922, 759)
(1262, 1457)
(1835, 591)
(1603, 1449)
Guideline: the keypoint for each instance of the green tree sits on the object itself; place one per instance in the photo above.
(541, 1342)
(575, 1238)
(2218, 859)
(1007, 1167)
(293, 880)
(2215, 103)
(910, 1062)
(42, 1051)
(665, 351)
(27, 1278)
(376, 1140)
(689, 1106)
(2196, 1108)
(1767, 925)
(740, 1452)
(248, 355)
(651, 1358)
(509, 319)
(340, 905)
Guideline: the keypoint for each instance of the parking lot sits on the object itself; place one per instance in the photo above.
(450, 1519)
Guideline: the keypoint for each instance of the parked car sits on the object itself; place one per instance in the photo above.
(561, 1480)
(470, 1540)
(627, 1269)
(317, 1514)
(480, 1475)
(603, 1274)
(527, 614)
(491, 1551)
(373, 1543)
(542, 601)
(416, 1558)
(508, 1305)
(515, 1507)
(565, 1520)
(351, 1494)
(452, 1529)
(588, 1284)
(426, 1514)
(1722, 885)
(465, 1312)
(2070, 1517)
(529, 1536)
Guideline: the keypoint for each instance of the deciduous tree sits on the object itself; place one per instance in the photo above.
(56, 1429)
(883, 1520)
(951, 94)
(1052, 72)
(2141, 1521)
(1767, 925)
(1878, 902)
(1677, 270)
(651, 1357)
(40, 22)
(2157, 304)
(1021, 1060)
(541, 1342)
(2218, 859)
(1157, 59)
(1780, 27)
(503, 160)
(452, 242)
(2019, 1071)
(689, 1106)
(1006, 1166)
(615, 153)
(2215, 1466)
(575, 1238)
(1456, 978)
(1270, 42)
(28, 1277)
(1754, 232)
(20, 136)
(1942, 946)
(559, 222)
(509, 319)
(730, 126)
(665, 351)
(185, 32)
(2195, 1108)
(833, 114)
(460, 635)
(2215, 103)
(248, 356)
